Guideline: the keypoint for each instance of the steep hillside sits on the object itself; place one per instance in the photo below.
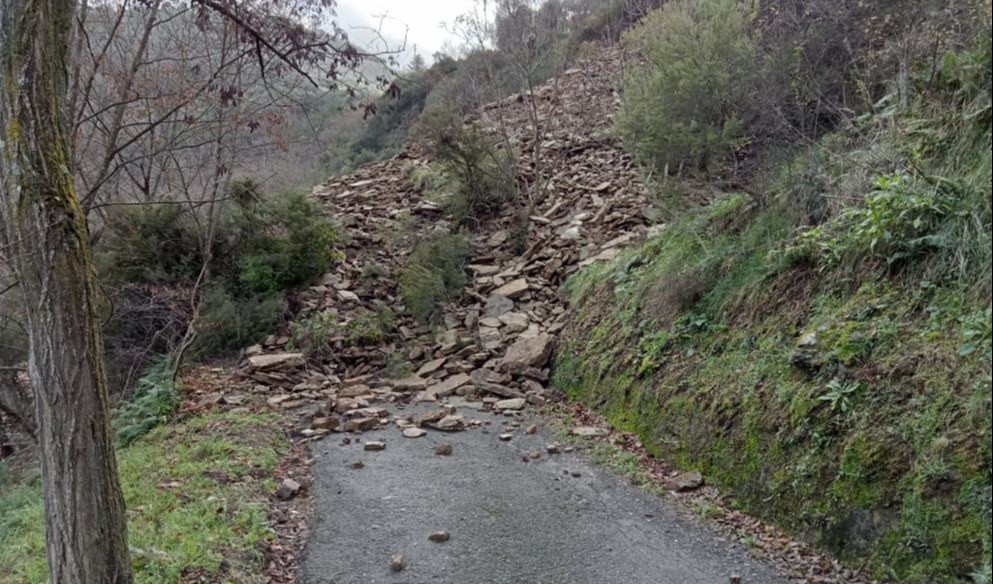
(820, 345)
(591, 207)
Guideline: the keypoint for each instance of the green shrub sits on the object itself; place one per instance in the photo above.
(397, 367)
(262, 248)
(434, 274)
(280, 245)
(158, 244)
(370, 327)
(229, 323)
(476, 178)
(373, 270)
(977, 334)
(446, 255)
(691, 99)
(152, 403)
(260, 245)
(423, 292)
(312, 334)
(900, 221)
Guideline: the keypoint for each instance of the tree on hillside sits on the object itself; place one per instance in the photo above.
(45, 235)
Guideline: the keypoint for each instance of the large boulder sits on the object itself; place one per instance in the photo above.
(526, 353)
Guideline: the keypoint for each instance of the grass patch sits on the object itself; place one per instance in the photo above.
(196, 495)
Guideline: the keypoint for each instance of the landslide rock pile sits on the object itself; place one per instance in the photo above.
(492, 347)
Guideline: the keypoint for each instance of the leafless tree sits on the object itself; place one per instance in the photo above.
(44, 231)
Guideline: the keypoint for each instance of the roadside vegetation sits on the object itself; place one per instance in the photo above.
(197, 494)
(820, 345)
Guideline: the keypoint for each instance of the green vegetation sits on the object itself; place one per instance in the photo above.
(197, 498)
(688, 104)
(472, 177)
(434, 274)
(261, 248)
(384, 132)
(153, 401)
(820, 347)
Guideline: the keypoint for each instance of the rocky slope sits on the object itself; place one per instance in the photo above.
(497, 338)
(492, 350)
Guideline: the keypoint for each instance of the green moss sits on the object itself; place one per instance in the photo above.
(877, 451)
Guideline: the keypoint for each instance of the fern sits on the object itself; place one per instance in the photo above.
(155, 399)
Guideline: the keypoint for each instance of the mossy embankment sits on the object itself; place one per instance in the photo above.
(835, 380)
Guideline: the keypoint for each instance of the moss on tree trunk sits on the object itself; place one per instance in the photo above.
(46, 242)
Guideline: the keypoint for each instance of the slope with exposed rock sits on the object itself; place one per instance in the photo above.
(491, 350)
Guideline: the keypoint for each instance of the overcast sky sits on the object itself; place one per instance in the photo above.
(420, 20)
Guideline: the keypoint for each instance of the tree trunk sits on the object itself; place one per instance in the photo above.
(16, 404)
(45, 238)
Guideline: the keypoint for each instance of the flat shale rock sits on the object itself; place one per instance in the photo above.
(269, 361)
(513, 290)
(414, 433)
(510, 404)
(588, 432)
(451, 423)
(497, 305)
(490, 382)
(412, 383)
(447, 387)
(431, 366)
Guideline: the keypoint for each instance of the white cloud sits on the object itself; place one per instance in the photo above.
(420, 22)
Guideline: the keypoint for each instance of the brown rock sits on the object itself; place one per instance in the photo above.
(498, 305)
(414, 433)
(443, 450)
(440, 537)
(345, 404)
(276, 361)
(360, 424)
(489, 382)
(685, 482)
(448, 386)
(412, 383)
(288, 489)
(513, 290)
(374, 446)
(527, 353)
(452, 423)
(431, 366)
(588, 432)
(330, 424)
(510, 404)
